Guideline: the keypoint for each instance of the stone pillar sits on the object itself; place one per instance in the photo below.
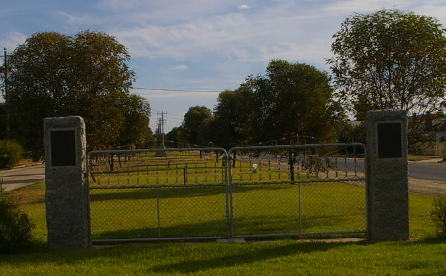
(387, 184)
(66, 196)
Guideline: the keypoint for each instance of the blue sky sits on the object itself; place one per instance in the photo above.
(199, 44)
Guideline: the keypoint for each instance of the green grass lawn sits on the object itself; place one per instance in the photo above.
(283, 257)
(200, 211)
(414, 157)
(271, 206)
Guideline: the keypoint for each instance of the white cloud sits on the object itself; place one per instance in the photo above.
(244, 7)
(166, 11)
(80, 19)
(234, 36)
(202, 28)
(11, 40)
(217, 33)
(429, 7)
(178, 67)
(438, 11)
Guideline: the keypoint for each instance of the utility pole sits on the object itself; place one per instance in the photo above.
(161, 122)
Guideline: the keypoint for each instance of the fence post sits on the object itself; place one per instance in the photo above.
(228, 184)
(66, 196)
(387, 181)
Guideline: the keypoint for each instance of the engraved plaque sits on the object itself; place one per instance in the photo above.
(389, 140)
(63, 148)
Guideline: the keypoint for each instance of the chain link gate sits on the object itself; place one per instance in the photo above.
(293, 190)
(208, 193)
(150, 194)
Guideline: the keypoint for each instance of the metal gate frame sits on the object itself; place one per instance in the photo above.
(227, 182)
(298, 183)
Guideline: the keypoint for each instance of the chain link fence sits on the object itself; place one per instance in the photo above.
(211, 193)
(293, 190)
(158, 194)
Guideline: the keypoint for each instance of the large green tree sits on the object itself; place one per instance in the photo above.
(390, 59)
(135, 129)
(195, 124)
(229, 127)
(86, 74)
(177, 138)
(291, 103)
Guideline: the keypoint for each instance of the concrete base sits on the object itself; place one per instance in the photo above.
(232, 240)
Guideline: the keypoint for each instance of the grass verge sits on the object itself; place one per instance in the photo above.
(413, 157)
(285, 257)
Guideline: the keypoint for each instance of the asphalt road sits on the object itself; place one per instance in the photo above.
(19, 177)
(419, 170)
(432, 171)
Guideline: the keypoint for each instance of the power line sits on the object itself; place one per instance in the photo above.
(176, 90)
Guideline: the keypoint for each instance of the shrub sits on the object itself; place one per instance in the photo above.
(438, 215)
(15, 226)
(10, 153)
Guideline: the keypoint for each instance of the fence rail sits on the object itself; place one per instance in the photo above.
(200, 193)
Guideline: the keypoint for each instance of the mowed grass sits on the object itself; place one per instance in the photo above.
(258, 209)
(263, 209)
(283, 257)
(195, 203)
(201, 211)
(415, 157)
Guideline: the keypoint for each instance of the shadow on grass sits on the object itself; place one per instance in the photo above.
(203, 229)
(244, 226)
(211, 256)
(431, 239)
(246, 257)
(180, 192)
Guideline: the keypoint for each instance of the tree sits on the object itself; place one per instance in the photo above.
(85, 74)
(135, 129)
(230, 119)
(177, 137)
(195, 122)
(292, 100)
(390, 59)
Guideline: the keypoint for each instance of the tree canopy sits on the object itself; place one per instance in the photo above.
(390, 59)
(230, 125)
(291, 103)
(87, 75)
(195, 124)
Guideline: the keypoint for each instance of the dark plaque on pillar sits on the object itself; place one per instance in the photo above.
(389, 140)
(63, 148)
(66, 184)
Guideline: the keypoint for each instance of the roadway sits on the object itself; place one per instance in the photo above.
(20, 177)
(425, 176)
(430, 170)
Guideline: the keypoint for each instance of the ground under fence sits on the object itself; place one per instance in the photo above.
(211, 193)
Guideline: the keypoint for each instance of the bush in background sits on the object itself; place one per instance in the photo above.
(10, 153)
(15, 226)
(438, 215)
